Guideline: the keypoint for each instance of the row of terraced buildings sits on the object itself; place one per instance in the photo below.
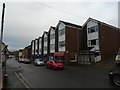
(90, 43)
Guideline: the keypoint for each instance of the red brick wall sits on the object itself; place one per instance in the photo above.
(108, 40)
(72, 36)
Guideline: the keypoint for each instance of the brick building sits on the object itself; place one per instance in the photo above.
(100, 41)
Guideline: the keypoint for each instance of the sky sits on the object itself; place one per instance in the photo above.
(26, 20)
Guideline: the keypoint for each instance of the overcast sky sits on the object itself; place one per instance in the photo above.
(28, 19)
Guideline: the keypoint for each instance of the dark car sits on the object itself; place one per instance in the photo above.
(114, 77)
(55, 64)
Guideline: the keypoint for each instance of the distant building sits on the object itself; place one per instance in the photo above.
(36, 48)
(40, 47)
(33, 50)
(26, 52)
(45, 45)
(51, 42)
(20, 53)
(4, 52)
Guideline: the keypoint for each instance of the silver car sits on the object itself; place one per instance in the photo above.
(39, 62)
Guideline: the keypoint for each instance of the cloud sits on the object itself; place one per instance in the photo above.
(27, 21)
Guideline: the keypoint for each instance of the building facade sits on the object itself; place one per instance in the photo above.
(71, 43)
(40, 47)
(67, 45)
(36, 48)
(45, 46)
(51, 42)
(26, 52)
(100, 41)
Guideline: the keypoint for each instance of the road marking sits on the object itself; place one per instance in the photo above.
(19, 76)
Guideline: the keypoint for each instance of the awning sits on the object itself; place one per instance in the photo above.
(59, 53)
(51, 54)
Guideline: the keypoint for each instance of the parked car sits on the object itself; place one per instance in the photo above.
(21, 60)
(114, 77)
(117, 59)
(55, 64)
(39, 62)
(26, 61)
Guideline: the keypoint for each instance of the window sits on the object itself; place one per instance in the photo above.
(92, 29)
(52, 36)
(61, 32)
(52, 46)
(93, 42)
(45, 48)
(45, 39)
(62, 44)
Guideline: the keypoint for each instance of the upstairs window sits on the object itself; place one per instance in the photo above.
(62, 44)
(45, 48)
(45, 39)
(92, 29)
(93, 42)
(61, 32)
(52, 36)
(52, 46)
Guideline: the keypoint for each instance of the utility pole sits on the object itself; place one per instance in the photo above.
(1, 38)
(118, 25)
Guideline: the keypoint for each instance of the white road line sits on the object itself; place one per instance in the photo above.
(19, 76)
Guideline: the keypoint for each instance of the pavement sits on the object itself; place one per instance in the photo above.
(13, 80)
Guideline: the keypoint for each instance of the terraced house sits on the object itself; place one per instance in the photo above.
(45, 46)
(32, 50)
(51, 42)
(71, 43)
(100, 41)
(40, 47)
(67, 41)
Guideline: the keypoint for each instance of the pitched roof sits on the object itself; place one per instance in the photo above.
(52, 27)
(71, 24)
(91, 19)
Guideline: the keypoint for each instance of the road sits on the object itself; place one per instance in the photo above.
(70, 77)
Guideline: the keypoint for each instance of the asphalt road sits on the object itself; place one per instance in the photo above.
(70, 77)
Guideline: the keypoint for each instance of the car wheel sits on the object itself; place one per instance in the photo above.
(116, 79)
